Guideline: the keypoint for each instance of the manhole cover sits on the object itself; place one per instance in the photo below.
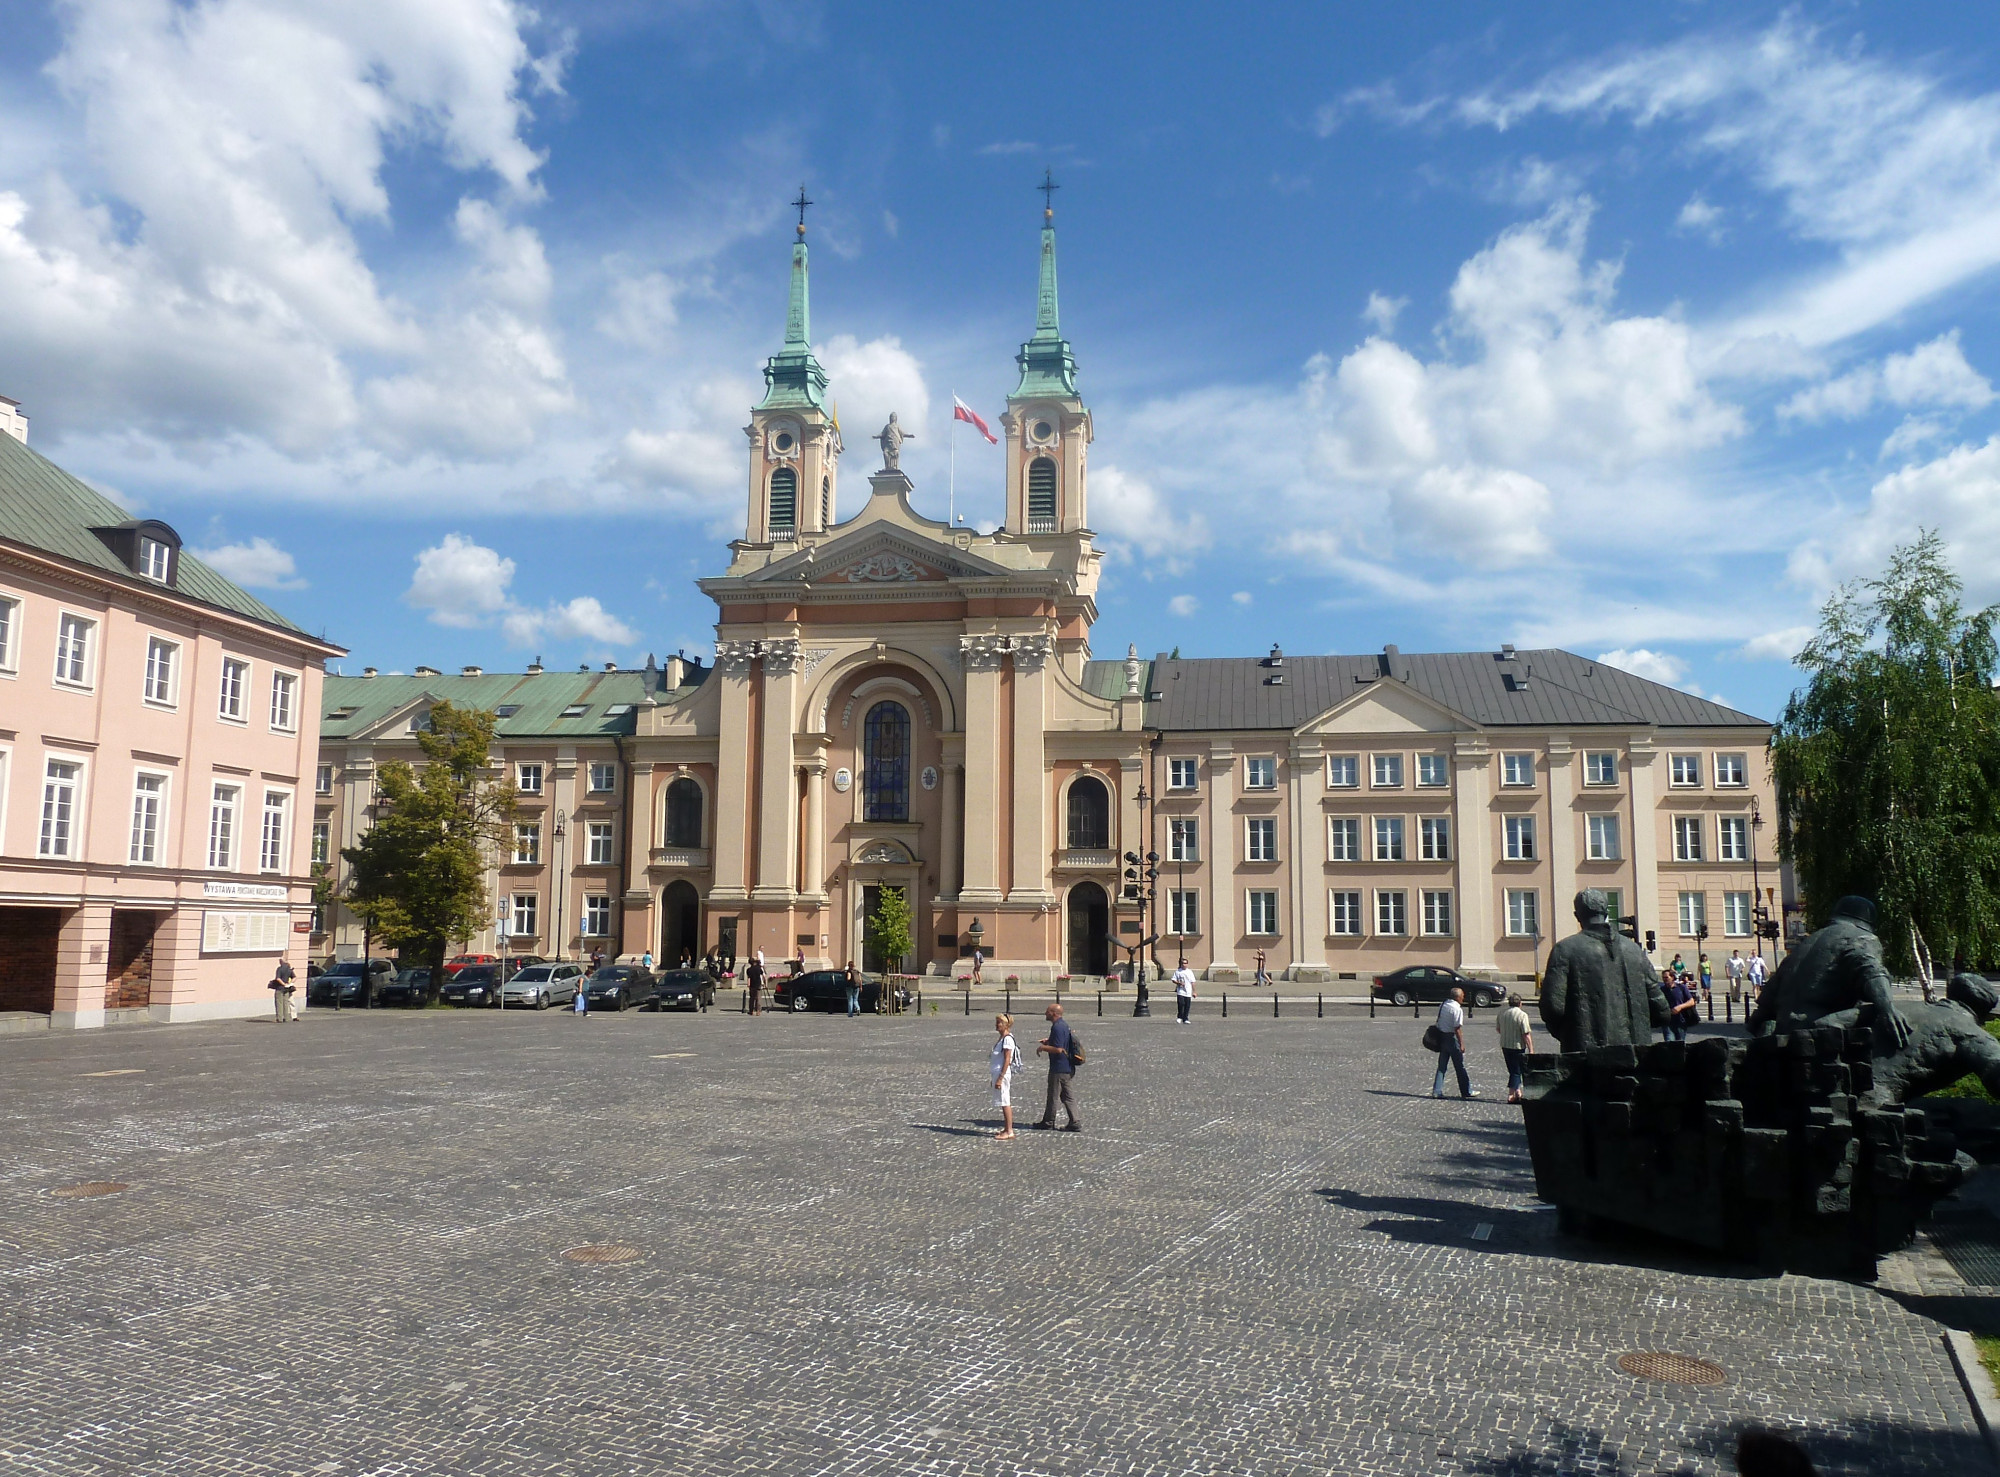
(88, 1190)
(603, 1255)
(1673, 1369)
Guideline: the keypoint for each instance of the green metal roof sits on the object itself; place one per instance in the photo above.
(353, 705)
(792, 377)
(1047, 365)
(45, 508)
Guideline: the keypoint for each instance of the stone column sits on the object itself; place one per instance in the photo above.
(1309, 921)
(1562, 838)
(951, 858)
(732, 773)
(1219, 850)
(1654, 911)
(1031, 787)
(813, 878)
(82, 949)
(1472, 793)
(983, 656)
(777, 820)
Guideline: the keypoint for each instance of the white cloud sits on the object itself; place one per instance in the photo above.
(1382, 312)
(1010, 146)
(641, 309)
(1775, 646)
(1957, 493)
(1131, 514)
(1241, 597)
(460, 583)
(1932, 374)
(1700, 217)
(868, 380)
(1183, 605)
(582, 621)
(691, 458)
(259, 564)
(1654, 666)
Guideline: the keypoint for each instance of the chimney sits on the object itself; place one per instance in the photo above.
(535, 666)
(12, 422)
(1506, 651)
(472, 671)
(611, 666)
(369, 672)
(676, 673)
(426, 671)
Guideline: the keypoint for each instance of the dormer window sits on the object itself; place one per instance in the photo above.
(154, 557)
(146, 546)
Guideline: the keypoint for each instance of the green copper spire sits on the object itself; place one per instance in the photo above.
(1047, 365)
(792, 377)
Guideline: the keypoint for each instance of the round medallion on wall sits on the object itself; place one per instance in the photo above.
(928, 779)
(843, 779)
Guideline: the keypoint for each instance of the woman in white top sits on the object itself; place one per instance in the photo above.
(1006, 1056)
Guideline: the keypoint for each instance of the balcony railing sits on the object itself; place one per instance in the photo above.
(1041, 525)
(1086, 859)
(688, 858)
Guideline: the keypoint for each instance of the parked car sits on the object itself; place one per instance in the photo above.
(351, 982)
(474, 984)
(542, 985)
(453, 965)
(682, 989)
(823, 989)
(619, 985)
(410, 987)
(1431, 983)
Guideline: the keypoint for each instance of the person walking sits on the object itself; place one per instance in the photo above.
(1183, 992)
(1707, 981)
(1734, 969)
(753, 983)
(1517, 1039)
(1755, 970)
(282, 990)
(1682, 1008)
(1263, 977)
(1059, 1046)
(581, 1004)
(978, 960)
(853, 990)
(1451, 1045)
(1006, 1062)
(646, 961)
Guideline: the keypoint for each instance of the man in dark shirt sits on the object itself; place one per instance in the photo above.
(1062, 1073)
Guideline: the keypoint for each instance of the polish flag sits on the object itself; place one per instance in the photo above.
(960, 411)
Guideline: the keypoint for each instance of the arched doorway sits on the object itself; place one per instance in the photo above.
(680, 923)
(1089, 930)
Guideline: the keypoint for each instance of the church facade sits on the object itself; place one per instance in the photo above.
(897, 703)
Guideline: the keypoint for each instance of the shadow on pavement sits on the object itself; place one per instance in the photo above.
(1849, 1449)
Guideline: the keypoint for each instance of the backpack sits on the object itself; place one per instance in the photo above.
(1014, 1062)
(1076, 1057)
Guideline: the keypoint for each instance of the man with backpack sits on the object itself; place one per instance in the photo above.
(1064, 1052)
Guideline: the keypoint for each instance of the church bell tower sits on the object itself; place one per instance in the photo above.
(1048, 429)
(794, 443)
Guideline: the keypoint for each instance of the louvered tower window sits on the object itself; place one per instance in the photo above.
(826, 502)
(784, 503)
(1041, 495)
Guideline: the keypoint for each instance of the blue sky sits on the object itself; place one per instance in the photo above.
(1627, 329)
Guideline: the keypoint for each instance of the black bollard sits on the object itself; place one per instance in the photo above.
(1100, 1002)
(1225, 1005)
(1274, 1005)
(968, 997)
(1322, 1005)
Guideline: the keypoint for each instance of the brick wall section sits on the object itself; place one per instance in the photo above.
(28, 957)
(128, 982)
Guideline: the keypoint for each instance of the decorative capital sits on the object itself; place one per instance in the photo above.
(1031, 653)
(782, 657)
(735, 657)
(983, 653)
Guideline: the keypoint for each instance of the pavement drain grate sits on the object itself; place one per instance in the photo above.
(89, 1190)
(603, 1255)
(1972, 1249)
(1673, 1369)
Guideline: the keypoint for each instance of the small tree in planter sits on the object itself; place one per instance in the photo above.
(889, 928)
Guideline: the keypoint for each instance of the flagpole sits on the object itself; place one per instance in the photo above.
(951, 481)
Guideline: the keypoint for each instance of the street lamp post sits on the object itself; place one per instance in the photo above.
(556, 888)
(1758, 911)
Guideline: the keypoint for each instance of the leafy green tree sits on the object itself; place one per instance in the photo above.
(889, 928)
(418, 878)
(1887, 761)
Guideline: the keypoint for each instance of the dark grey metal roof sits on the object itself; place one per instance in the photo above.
(1543, 688)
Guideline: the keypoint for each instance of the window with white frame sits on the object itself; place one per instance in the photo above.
(1524, 913)
(74, 637)
(1343, 771)
(528, 778)
(1388, 838)
(1517, 771)
(597, 841)
(1260, 772)
(1684, 771)
(1183, 838)
(597, 915)
(61, 782)
(222, 804)
(162, 658)
(1730, 772)
(1183, 773)
(1386, 771)
(525, 922)
(1600, 767)
(284, 694)
(1392, 912)
(527, 843)
(1687, 838)
(1694, 913)
(154, 560)
(271, 839)
(1434, 838)
(235, 677)
(1343, 911)
(1260, 839)
(322, 842)
(1736, 915)
(1433, 773)
(323, 780)
(1732, 834)
(1601, 839)
(1262, 912)
(1183, 911)
(1343, 838)
(10, 634)
(149, 794)
(1437, 913)
(1519, 834)
(1614, 905)
(603, 778)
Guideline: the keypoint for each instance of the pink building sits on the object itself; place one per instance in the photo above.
(158, 732)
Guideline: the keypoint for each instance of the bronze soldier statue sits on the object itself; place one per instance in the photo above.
(1837, 969)
(1600, 988)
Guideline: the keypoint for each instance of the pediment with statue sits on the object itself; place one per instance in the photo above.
(879, 556)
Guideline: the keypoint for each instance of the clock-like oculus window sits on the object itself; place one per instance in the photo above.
(1042, 432)
(784, 441)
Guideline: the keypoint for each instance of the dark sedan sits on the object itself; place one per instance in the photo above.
(1430, 983)
(682, 989)
(474, 984)
(617, 986)
(823, 989)
(351, 982)
(409, 987)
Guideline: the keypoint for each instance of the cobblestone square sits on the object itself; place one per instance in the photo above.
(339, 1250)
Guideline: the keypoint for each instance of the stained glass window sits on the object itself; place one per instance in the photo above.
(886, 763)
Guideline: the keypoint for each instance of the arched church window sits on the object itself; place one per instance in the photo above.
(1041, 495)
(1089, 815)
(684, 813)
(826, 502)
(784, 499)
(885, 760)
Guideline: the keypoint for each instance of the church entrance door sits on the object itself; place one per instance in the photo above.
(680, 923)
(1089, 930)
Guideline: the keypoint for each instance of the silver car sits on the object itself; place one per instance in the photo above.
(543, 985)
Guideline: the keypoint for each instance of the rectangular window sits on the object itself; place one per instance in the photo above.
(1343, 838)
(1392, 912)
(59, 787)
(1684, 772)
(322, 841)
(1736, 915)
(603, 778)
(1183, 839)
(1263, 912)
(1437, 914)
(235, 677)
(1183, 774)
(1434, 838)
(1386, 771)
(148, 793)
(1694, 913)
(1601, 838)
(1343, 910)
(1388, 838)
(1687, 838)
(1343, 772)
(1520, 835)
(1260, 839)
(1432, 772)
(1733, 836)
(1183, 913)
(1524, 914)
(222, 828)
(527, 843)
(1730, 772)
(1517, 771)
(160, 662)
(73, 634)
(597, 915)
(1600, 767)
(525, 924)
(528, 778)
(10, 631)
(284, 688)
(323, 780)
(1614, 905)
(1260, 773)
(271, 847)
(598, 842)
(153, 555)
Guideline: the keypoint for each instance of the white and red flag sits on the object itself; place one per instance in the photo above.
(960, 411)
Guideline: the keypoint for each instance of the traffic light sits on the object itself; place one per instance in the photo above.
(1652, 942)
(1629, 926)
(1700, 932)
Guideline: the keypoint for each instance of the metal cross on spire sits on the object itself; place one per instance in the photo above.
(1048, 187)
(800, 205)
